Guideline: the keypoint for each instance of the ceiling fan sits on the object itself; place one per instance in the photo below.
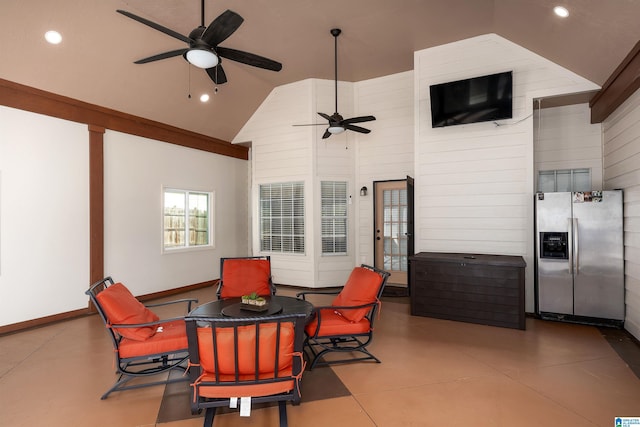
(337, 124)
(203, 50)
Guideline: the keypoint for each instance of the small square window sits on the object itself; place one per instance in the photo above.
(187, 219)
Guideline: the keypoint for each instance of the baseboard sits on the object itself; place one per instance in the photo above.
(47, 320)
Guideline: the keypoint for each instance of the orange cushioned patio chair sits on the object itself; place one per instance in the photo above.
(244, 275)
(246, 361)
(143, 344)
(346, 326)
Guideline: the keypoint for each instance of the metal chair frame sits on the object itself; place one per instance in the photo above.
(198, 403)
(319, 345)
(146, 365)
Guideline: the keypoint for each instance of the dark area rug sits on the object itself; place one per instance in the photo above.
(319, 384)
(627, 347)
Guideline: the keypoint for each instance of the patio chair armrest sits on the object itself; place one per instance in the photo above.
(141, 325)
(305, 293)
(348, 307)
(189, 302)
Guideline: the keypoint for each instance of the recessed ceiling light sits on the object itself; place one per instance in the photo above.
(53, 37)
(204, 97)
(561, 11)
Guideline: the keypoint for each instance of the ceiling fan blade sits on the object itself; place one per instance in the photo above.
(358, 120)
(160, 56)
(325, 116)
(217, 74)
(356, 129)
(155, 26)
(326, 134)
(249, 58)
(222, 27)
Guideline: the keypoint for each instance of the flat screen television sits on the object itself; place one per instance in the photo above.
(479, 99)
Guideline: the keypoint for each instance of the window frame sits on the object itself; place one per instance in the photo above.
(571, 172)
(210, 221)
(296, 221)
(334, 218)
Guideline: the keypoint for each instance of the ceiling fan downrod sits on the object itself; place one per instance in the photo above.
(335, 33)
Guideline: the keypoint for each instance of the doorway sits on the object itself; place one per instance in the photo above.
(393, 228)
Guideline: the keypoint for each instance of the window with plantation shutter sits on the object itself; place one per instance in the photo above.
(187, 219)
(282, 217)
(334, 217)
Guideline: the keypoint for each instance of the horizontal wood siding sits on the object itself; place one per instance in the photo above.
(564, 138)
(474, 183)
(387, 153)
(281, 152)
(621, 132)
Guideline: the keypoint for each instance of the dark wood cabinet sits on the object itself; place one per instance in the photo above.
(486, 289)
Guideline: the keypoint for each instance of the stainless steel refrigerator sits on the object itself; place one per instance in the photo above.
(579, 255)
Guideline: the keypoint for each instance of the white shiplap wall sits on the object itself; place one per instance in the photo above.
(282, 152)
(474, 183)
(564, 138)
(387, 153)
(621, 132)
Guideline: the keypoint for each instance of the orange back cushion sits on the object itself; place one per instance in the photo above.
(121, 307)
(361, 288)
(244, 276)
(246, 348)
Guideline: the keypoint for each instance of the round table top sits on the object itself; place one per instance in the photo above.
(230, 307)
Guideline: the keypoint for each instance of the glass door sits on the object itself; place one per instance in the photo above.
(391, 229)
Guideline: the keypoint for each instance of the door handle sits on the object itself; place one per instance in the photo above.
(570, 244)
(576, 252)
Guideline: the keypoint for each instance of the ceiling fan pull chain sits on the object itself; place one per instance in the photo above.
(189, 81)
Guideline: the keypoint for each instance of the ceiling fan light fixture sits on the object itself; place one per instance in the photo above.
(202, 58)
(335, 129)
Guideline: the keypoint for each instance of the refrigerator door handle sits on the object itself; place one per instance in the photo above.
(570, 243)
(576, 252)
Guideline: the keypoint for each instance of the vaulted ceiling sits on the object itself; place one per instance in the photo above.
(94, 62)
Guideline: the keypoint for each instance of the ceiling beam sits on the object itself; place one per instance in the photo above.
(624, 81)
(35, 100)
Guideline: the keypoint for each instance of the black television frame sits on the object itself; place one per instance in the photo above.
(451, 102)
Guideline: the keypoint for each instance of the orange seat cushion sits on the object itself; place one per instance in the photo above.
(121, 307)
(361, 288)
(246, 349)
(333, 323)
(171, 339)
(253, 390)
(244, 276)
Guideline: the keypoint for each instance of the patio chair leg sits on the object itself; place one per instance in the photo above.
(208, 417)
(282, 407)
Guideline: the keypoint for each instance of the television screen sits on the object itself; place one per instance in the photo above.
(479, 99)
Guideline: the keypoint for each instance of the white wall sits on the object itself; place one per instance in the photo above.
(136, 169)
(282, 152)
(474, 183)
(564, 138)
(44, 215)
(387, 153)
(622, 170)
